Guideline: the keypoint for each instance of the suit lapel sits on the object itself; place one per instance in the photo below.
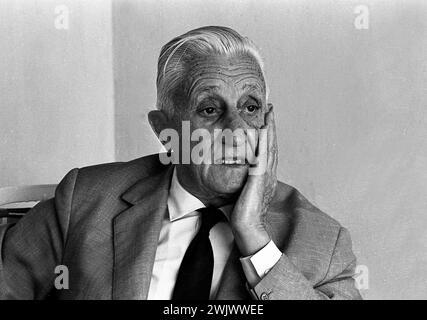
(136, 233)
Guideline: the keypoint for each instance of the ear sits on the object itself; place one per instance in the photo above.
(158, 121)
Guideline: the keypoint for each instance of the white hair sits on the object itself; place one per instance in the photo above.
(199, 42)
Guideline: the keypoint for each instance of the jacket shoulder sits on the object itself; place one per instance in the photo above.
(306, 234)
(291, 205)
(114, 172)
(102, 185)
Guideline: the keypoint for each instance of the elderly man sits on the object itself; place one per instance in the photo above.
(214, 229)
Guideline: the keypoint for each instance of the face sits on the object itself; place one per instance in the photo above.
(221, 93)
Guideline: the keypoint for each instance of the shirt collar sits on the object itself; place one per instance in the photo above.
(181, 202)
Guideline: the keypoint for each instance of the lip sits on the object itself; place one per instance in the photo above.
(231, 162)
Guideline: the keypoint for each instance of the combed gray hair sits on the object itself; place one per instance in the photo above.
(196, 43)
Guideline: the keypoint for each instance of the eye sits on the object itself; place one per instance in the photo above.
(209, 111)
(251, 108)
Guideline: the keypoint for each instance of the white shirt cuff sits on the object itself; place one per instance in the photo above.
(258, 265)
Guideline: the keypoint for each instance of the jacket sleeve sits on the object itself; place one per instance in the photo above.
(285, 282)
(31, 249)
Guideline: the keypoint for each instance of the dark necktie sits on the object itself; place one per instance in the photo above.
(196, 270)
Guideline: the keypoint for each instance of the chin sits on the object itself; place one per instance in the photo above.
(227, 179)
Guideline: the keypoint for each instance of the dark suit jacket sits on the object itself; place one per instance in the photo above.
(104, 224)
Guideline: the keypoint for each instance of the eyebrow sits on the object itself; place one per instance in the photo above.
(211, 91)
(251, 87)
(201, 94)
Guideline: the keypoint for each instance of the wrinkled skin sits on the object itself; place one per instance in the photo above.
(228, 93)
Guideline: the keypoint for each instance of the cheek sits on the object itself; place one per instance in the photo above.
(260, 120)
(257, 121)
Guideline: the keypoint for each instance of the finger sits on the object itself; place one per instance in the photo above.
(266, 115)
(275, 146)
(261, 129)
(262, 148)
(272, 140)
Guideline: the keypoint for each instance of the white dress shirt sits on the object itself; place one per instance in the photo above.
(179, 228)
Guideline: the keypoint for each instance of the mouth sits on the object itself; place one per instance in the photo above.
(233, 162)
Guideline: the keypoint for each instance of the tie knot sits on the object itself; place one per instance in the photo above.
(210, 216)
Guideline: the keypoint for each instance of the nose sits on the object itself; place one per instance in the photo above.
(234, 121)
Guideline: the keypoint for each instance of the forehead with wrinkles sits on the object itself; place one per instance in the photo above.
(230, 76)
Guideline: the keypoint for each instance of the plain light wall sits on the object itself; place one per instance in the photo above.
(56, 89)
(350, 107)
